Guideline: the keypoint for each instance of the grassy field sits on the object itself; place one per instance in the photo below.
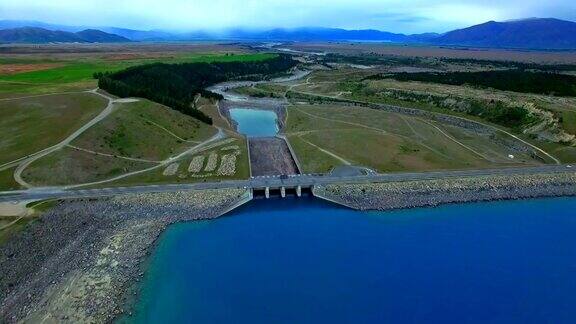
(135, 136)
(311, 159)
(555, 117)
(386, 141)
(7, 180)
(144, 130)
(77, 73)
(183, 174)
(210, 108)
(31, 124)
(69, 166)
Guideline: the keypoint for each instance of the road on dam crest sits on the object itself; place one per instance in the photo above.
(304, 180)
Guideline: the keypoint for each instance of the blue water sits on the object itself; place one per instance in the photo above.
(255, 123)
(306, 261)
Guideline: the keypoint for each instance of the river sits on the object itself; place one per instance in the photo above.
(307, 261)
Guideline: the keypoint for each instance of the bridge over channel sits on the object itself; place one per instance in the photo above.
(274, 184)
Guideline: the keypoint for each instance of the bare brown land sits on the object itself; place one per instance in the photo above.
(7, 69)
(139, 48)
(437, 52)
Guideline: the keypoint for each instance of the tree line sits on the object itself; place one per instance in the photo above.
(508, 80)
(176, 85)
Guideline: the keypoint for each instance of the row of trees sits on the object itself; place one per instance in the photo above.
(509, 80)
(526, 66)
(176, 85)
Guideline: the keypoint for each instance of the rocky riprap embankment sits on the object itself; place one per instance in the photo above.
(395, 195)
(77, 263)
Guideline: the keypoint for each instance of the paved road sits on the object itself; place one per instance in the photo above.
(276, 182)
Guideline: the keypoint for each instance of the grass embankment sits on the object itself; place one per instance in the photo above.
(386, 141)
(210, 108)
(7, 181)
(29, 125)
(184, 172)
(69, 74)
(136, 136)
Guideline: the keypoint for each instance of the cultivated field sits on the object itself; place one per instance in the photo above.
(50, 69)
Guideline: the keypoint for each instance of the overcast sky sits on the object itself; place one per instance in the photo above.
(407, 16)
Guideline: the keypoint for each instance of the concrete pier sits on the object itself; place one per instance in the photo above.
(283, 192)
(299, 191)
(267, 192)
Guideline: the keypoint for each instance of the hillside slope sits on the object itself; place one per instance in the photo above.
(38, 35)
(546, 33)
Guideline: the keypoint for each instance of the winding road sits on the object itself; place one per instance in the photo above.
(23, 164)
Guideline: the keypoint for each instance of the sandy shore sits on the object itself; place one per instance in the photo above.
(423, 193)
(77, 262)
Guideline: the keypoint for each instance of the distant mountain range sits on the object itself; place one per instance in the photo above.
(528, 33)
(38, 35)
(328, 34)
(534, 33)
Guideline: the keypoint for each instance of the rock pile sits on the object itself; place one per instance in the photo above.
(395, 195)
(77, 263)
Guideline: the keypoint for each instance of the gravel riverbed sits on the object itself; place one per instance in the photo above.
(78, 262)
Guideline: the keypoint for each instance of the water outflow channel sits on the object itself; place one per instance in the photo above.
(261, 120)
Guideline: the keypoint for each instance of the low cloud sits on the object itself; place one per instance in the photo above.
(408, 16)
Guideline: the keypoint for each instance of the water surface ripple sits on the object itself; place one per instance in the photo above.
(307, 261)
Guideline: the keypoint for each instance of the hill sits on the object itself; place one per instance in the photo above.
(536, 33)
(38, 35)
(98, 36)
(319, 34)
(11, 24)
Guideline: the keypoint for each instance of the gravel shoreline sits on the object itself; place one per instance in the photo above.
(426, 193)
(79, 260)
